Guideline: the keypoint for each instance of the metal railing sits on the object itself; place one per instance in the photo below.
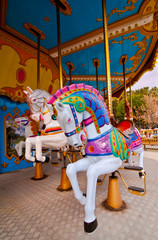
(150, 144)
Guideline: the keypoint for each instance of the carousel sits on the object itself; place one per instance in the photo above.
(61, 64)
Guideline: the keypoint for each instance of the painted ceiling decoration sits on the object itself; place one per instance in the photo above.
(132, 31)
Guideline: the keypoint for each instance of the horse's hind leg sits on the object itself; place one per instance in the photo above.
(71, 171)
(130, 160)
(141, 156)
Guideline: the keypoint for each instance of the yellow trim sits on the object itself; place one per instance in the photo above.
(46, 112)
(43, 133)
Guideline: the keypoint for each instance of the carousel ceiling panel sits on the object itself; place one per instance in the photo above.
(134, 45)
(132, 31)
(82, 20)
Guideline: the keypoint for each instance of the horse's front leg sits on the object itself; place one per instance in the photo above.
(39, 156)
(71, 171)
(103, 166)
(28, 145)
(21, 146)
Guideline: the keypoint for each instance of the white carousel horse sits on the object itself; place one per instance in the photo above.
(106, 146)
(52, 137)
(31, 130)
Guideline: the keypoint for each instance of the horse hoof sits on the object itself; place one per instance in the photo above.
(90, 227)
(21, 157)
(47, 159)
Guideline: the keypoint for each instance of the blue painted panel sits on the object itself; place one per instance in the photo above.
(83, 60)
(82, 19)
(10, 108)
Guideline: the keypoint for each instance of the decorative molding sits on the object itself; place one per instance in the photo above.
(114, 79)
(126, 8)
(98, 37)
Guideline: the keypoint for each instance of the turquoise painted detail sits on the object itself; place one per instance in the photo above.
(78, 102)
(118, 145)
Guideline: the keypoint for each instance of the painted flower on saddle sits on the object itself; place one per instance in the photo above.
(103, 143)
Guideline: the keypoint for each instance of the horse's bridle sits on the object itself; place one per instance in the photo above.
(78, 127)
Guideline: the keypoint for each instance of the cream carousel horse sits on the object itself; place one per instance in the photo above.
(52, 137)
(106, 146)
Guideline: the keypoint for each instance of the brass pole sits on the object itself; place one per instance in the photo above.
(70, 73)
(104, 94)
(96, 65)
(123, 63)
(59, 48)
(130, 95)
(38, 61)
(107, 60)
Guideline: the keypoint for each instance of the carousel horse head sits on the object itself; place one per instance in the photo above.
(22, 121)
(79, 103)
(35, 99)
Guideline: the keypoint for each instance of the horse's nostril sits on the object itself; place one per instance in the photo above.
(75, 144)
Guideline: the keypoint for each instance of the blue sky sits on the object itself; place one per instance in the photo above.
(149, 79)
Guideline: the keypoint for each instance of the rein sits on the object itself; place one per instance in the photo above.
(78, 127)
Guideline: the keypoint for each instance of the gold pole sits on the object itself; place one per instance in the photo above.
(59, 48)
(107, 60)
(38, 61)
(130, 87)
(96, 64)
(123, 63)
(70, 74)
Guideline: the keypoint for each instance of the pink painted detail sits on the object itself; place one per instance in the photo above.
(83, 138)
(95, 91)
(41, 117)
(101, 98)
(69, 120)
(51, 100)
(88, 87)
(80, 85)
(58, 93)
(65, 89)
(72, 87)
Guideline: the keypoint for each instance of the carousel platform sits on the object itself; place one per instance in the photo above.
(32, 210)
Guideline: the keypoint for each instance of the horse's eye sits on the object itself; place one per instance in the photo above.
(33, 99)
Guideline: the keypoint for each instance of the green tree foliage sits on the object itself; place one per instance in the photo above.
(141, 108)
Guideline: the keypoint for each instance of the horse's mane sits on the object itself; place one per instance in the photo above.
(91, 96)
(41, 93)
(72, 88)
(42, 96)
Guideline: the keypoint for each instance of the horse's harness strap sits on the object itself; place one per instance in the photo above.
(88, 121)
(78, 127)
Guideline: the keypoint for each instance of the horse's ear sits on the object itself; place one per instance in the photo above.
(29, 90)
(26, 92)
(59, 106)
